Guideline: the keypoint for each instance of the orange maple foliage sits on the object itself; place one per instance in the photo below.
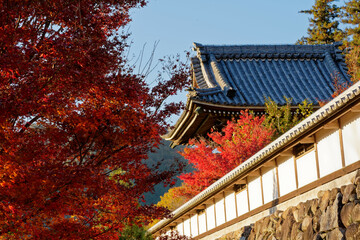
(338, 86)
(223, 151)
(76, 123)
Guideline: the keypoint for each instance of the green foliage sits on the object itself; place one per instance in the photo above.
(351, 17)
(305, 109)
(352, 59)
(282, 118)
(278, 117)
(324, 28)
(324, 24)
(135, 232)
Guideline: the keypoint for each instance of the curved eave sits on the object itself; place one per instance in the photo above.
(189, 118)
(184, 118)
(345, 99)
(229, 107)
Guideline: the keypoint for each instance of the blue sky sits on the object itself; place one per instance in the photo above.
(177, 24)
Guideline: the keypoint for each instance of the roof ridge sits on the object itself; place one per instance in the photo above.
(269, 48)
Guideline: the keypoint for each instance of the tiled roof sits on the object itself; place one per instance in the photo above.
(245, 75)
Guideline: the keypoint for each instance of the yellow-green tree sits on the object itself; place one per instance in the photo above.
(172, 199)
(282, 118)
(324, 24)
(351, 18)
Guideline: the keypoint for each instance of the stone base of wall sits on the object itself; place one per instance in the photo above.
(333, 215)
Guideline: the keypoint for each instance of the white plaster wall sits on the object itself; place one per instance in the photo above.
(286, 170)
(220, 212)
(344, 180)
(351, 137)
(328, 145)
(202, 222)
(306, 168)
(270, 185)
(180, 229)
(242, 202)
(187, 231)
(230, 206)
(255, 197)
(194, 225)
(329, 153)
(210, 216)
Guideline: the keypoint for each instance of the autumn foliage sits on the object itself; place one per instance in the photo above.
(339, 87)
(174, 197)
(76, 123)
(221, 152)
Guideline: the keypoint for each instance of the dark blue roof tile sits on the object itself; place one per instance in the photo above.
(246, 75)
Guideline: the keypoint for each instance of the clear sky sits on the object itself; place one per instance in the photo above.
(176, 24)
(179, 23)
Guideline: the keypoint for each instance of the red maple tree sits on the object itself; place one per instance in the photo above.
(76, 123)
(222, 151)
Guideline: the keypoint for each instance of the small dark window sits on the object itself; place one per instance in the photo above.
(200, 211)
(301, 149)
(239, 187)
